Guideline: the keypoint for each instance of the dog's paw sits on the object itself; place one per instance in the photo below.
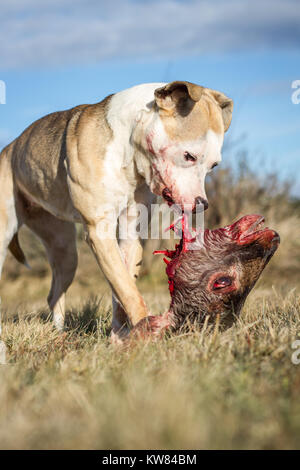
(151, 327)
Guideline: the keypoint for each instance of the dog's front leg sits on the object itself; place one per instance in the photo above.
(131, 251)
(108, 256)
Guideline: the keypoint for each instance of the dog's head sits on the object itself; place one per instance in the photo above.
(183, 140)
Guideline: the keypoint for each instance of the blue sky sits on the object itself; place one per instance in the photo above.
(57, 54)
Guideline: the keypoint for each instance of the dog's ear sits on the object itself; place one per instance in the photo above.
(226, 105)
(180, 96)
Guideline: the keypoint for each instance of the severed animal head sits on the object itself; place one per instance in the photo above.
(215, 276)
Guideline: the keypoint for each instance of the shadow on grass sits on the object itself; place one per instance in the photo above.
(91, 318)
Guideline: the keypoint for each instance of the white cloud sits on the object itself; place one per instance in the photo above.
(75, 31)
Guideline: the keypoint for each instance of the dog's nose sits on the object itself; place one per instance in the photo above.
(201, 204)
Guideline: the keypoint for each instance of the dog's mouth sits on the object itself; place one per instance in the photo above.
(178, 206)
(167, 195)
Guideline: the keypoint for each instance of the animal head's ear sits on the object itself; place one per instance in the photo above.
(226, 105)
(178, 96)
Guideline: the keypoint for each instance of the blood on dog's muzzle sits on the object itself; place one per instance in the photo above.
(201, 204)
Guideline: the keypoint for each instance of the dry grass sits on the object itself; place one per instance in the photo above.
(205, 389)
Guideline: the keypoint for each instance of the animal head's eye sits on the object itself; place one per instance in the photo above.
(189, 158)
(221, 282)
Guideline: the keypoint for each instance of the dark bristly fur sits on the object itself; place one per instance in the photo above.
(192, 300)
(236, 255)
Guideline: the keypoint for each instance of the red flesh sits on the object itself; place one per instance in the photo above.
(180, 247)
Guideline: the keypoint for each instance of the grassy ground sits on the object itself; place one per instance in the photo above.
(206, 389)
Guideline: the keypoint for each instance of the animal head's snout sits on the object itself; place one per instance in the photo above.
(201, 204)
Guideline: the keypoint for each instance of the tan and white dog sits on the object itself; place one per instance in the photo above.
(155, 138)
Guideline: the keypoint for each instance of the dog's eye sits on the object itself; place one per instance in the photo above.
(214, 165)
(189, 158)
(222, 282)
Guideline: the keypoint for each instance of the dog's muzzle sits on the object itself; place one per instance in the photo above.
(166, 194)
